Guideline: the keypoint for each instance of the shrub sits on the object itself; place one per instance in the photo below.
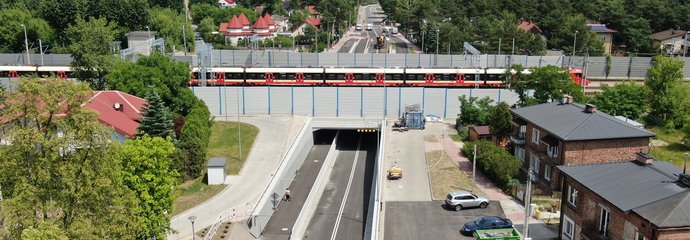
(496, 163)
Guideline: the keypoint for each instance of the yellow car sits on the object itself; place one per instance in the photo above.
(394, 173)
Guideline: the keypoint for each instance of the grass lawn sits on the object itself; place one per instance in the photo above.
(674, 152)
(456, 137)
(192, 193)
(223, 143)
(446, 176)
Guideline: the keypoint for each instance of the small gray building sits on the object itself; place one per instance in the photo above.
(141, 41)
(216, 170)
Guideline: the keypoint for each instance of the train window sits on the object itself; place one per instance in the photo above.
(4, 74)
(237, 76)
(308, 76)
(332, 76)
(470, 77)
(359, 76)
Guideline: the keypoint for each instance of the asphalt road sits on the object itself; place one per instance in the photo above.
(430, 220)
(280, 225)
(342, 210)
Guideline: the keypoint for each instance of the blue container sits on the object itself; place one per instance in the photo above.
(414, 120)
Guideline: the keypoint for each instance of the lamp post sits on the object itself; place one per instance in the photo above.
(148, 40)
(574, 46)
(26, 45)
(191, 219)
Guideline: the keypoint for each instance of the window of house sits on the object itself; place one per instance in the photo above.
(639, 236)
(535, 136)
(534, 163)
(572, 195)
(552, 151)
(520, 153)
(547, 172)
(523, 131)
(604, 217)
(568, 228)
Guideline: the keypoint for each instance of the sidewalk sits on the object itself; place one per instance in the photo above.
(513, 210)
(262, 162)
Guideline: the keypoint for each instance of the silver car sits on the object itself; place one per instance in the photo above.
(464, 199)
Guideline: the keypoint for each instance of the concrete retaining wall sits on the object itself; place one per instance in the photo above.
(372, 227)
(281, 180)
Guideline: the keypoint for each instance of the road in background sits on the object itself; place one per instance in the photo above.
(342, 210)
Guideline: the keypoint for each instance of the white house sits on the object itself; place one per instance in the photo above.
(672, 41)
(227, 3)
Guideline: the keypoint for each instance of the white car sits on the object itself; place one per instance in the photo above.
(358, 27)
(433, 118)
(370, 26)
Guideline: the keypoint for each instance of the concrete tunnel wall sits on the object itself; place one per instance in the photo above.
(282, 179)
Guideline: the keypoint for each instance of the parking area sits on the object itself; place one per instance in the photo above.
(430, 220)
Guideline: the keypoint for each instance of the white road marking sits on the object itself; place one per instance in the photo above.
(354, 46)
(347, 191)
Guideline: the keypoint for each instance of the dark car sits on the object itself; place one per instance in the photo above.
(486, 222)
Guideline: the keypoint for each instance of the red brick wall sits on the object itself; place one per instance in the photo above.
(678, 234)
(603, 151)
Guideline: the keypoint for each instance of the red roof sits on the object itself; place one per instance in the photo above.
(244, 20)
(231, 2)
(260, 24)
(268, 19)
(234, 23)
(527, 26)
(123, 120)
(313, 21)
(223, 27)
(312, 10)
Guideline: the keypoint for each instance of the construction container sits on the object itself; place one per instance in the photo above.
(498, 234)
(414, 120)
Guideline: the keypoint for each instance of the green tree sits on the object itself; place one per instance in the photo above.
(61, 14)
(148, 171)
(191, 156)
(624, 99)
(495, 162)
(206, 28)
(518, 82)
(157, 121)
(44, 231)
(12, 33)
(61, 167)
(474, 111)
(551, 83)
(575, 30)
(501, 121)
(168, 77)
(169, 24)
(666, 92)
(90, 47)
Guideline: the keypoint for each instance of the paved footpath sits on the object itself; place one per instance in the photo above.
(512, 209)
(274, 139)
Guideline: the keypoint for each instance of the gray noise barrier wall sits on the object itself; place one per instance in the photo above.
(281, 180)
(315, 193)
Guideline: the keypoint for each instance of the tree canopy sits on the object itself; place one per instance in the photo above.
(157, 121)
(623, 99)
(666, 96)
(90, 47)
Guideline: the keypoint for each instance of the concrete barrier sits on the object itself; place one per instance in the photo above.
(281, 180)
(310, 205)
(372, 228)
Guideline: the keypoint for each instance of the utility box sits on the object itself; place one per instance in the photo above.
(216, 170)
(498, 234)
(413, 117)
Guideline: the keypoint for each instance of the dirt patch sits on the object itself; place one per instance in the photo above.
(430, 138)
(658, 143)
(446, 176)
(223, 232)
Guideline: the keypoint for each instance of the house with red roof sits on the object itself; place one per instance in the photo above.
(531, 27)
(118, 110)
(312, 10)
(233, 30)
(227, 3)
(269, 21)
(244, 21)
(261, 29)
(299, 30)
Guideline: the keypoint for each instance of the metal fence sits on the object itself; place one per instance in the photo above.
(597, 67)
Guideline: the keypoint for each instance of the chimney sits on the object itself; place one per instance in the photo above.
(590, 108)
(566, 99)
(644, 158)
(117, 106)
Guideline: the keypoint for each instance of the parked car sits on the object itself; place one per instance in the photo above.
(433, 118)
(358, 27)
(465, 199)
(486, 222)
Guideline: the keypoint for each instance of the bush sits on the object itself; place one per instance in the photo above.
(462, 130)
(496, 163)
(194, 137)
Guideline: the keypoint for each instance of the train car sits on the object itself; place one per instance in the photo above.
(284, 76)
(364, 76)
(225, 76)
(57, 71)
(17, 71)
(451, 77)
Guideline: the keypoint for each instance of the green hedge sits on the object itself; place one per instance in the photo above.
(496, 163)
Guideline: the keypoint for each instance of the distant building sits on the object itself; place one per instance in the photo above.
(118, 110)
(475, 133)
(670, 41)
(312, 10)
(233, 30)
(299, 30)
(227, 3)
(282, 23)
(604, 33)
(640, 199)
(237, 28)
(141, 41)
(531, 27)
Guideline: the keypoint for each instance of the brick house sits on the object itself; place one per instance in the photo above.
(118, 110)
(567, 133)
(640, 199)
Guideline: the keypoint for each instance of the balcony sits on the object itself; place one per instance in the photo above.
(518, 139)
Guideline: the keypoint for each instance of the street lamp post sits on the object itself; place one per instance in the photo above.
(26, 45)
(574, 45)
(191, 219)
(437, 40)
